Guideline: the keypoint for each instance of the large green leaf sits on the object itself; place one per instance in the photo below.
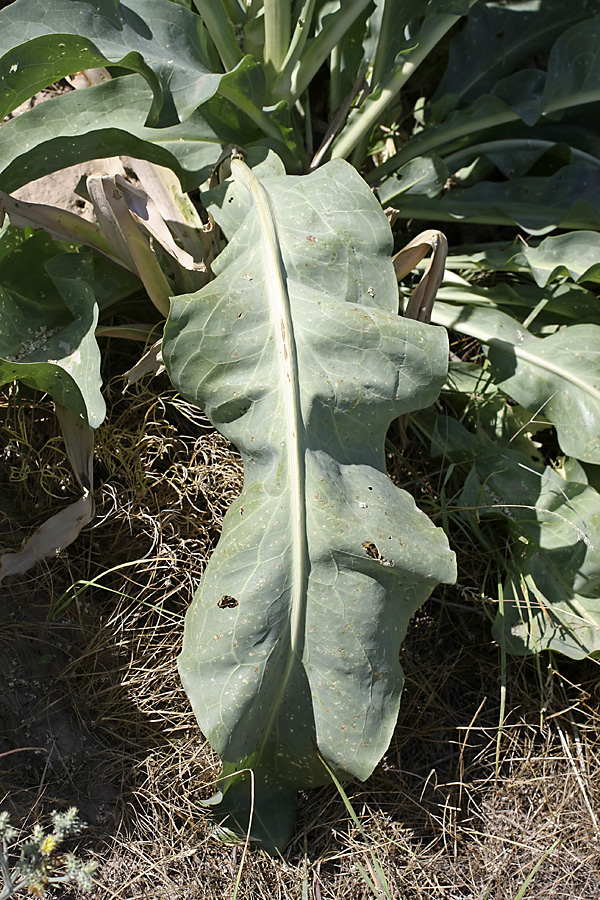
(573, 69)
(109, 120)
(552, 589)
(557, 376)
(102, 121)
(576, 254)
(167, 44)
(48, 317)
(496, 40)
(561, 303)
(553, 600)
(296, 353)
(568, 199)
(532, 96)
(48, 314)
(425, 175)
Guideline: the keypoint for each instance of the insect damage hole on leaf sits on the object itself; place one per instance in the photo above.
(227, 602)
(373, 552)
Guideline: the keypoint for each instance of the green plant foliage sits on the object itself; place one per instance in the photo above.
(162, 41)
(48, 316)
(499, 128)
(41, 864)
(557, 376)
(552, 523)
(576, 255)
(477, 104)
(296, 354)
(110, 120)
(497, 39)
(568, 199)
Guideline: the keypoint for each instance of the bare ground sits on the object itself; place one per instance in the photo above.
(457, 809)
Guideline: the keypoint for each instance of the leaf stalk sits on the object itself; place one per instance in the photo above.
(366, 118)
(278, 20)
(221, 31)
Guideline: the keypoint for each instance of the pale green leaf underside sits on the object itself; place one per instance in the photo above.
(556, 376)
(297, 354)
(576, 254)
(552, 590)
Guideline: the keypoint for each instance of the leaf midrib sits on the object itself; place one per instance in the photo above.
(282, 326)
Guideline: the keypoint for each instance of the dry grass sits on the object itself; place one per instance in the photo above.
(88, 648)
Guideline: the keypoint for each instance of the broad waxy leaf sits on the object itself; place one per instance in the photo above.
(517, 155)
(530, 95)
(162, 41)
(297, 355)
(577, 255)
(425, 175)
(552, 592)
(102, 121)
(561, 303)
(48, 315)
(573, 68)
(496, 40)
(568, 199)
(557, 376)
(109, 120)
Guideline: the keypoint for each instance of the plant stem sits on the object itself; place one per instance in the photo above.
(282, 83)
(383, 41)
(127, 332)
(443, 135)
(502, 714)
(308, 128)
(320, 48)
(338, 120)
(253, 112)
(236, 11)
(335, 86)
(382, 20)
(219, 27)
(278, 18)
(280, 311)
(363, 121)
